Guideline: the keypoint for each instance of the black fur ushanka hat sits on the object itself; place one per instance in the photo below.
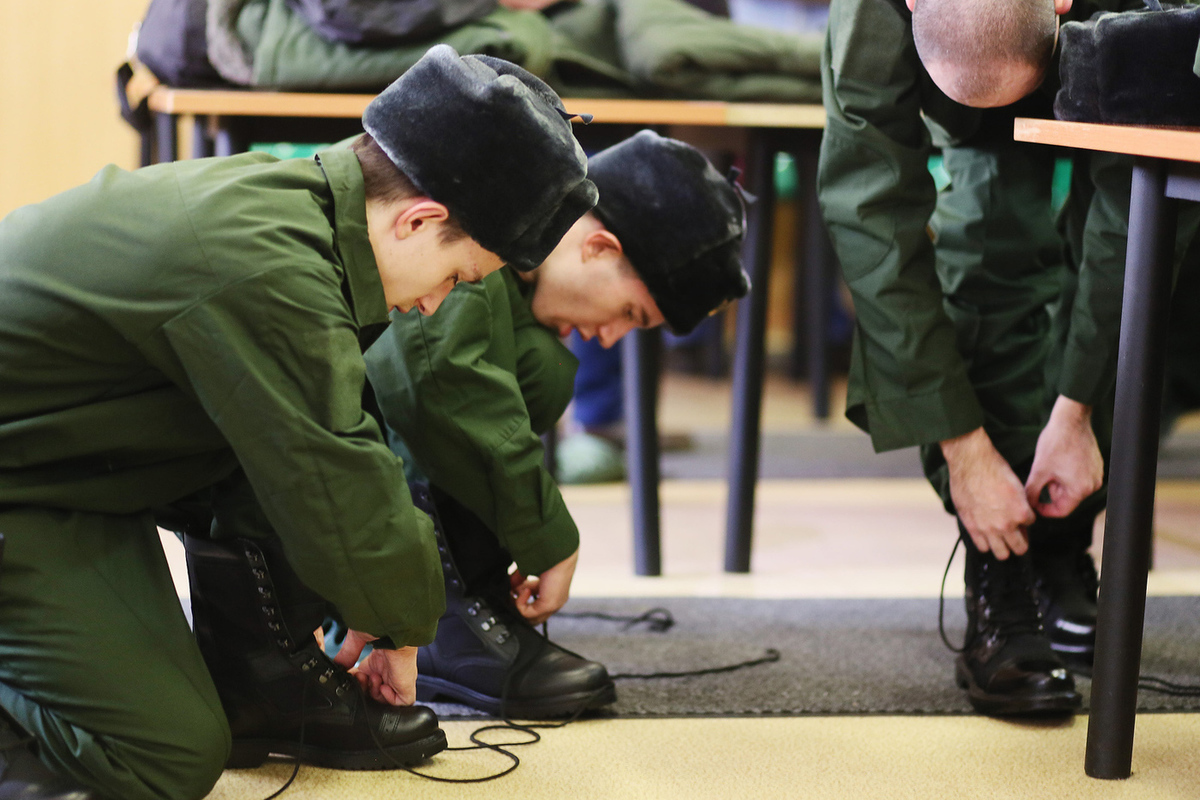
(492, 143)
(679, 222)
(1132, 67)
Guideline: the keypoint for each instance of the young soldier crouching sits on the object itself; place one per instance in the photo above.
(468, 392)
(185, 340)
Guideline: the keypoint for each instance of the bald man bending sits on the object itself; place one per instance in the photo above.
(984, 333)
(986, 54)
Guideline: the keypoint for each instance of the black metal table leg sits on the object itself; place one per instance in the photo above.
(749, 356)
(1128, 528)
(640, 385)
(202, 143)
(146, 148)
(818, 279)
(228, 141)
(166, 138)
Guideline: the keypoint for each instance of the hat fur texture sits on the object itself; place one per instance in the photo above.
(679, 222)
(492, 143)
(1133, 68)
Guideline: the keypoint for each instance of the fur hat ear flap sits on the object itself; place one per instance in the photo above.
(492, 143)
(679, 221)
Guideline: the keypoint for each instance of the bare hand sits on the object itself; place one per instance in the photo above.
(389, 676)
(539, 597)
(1067, 460)
(989, 497)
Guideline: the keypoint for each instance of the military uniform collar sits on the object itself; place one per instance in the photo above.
(344, 176)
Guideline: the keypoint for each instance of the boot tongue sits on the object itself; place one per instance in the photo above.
(1011, 598)
(496, 590)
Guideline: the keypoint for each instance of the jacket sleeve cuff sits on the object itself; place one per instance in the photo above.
(558, 540)
(897, 422)
(1085, 377)
(410, 637)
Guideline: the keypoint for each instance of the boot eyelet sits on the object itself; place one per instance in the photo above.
(472, 610)
(486, 625)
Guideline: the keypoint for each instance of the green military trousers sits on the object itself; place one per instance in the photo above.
(1008, 288)
(96, 658)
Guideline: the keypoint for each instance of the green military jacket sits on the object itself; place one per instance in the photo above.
(468, 390)
(908, 381)
(161, 328)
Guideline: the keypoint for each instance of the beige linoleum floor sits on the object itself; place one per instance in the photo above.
(844, 538)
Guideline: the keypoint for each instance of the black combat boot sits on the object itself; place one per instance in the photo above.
(1065, 581)
(486, 655)
(22, 774)
(254, 621)
(1007, 665)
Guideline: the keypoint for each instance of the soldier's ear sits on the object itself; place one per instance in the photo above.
(601, 242)
(1062, 6)
(911, 3)
(417, 216)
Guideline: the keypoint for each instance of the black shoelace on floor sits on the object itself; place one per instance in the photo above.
(658, 620)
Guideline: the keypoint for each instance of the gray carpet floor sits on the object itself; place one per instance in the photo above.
(837, 656)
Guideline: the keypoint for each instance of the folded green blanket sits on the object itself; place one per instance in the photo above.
(288, 55)
(686, 52)
(629, 48)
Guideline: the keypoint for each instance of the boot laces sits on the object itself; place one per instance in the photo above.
(332, 676)
(488, 623)
(1006, 600)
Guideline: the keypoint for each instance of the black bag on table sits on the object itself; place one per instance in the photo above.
(173, 44)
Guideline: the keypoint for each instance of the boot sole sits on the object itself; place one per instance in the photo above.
(1004, 705)
(563, 705)
(248, 753)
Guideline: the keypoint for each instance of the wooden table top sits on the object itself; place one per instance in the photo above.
(1177, 144)
(243, 103)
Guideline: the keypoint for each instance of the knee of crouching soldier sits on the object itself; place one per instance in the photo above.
(195, 761)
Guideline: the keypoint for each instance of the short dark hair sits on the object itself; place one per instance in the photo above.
(975, 37)
(384, 182)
